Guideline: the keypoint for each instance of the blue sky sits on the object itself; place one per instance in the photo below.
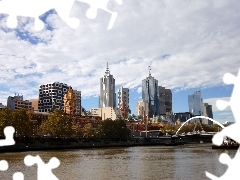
(189, 44)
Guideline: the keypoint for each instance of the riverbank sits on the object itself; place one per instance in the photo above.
(45, 144)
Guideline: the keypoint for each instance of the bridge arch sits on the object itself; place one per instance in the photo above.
(197, 117)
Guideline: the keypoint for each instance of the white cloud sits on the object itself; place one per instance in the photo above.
(201, 42)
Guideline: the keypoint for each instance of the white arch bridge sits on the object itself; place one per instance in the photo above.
(199, 117)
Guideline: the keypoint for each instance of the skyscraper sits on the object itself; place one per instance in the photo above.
(207, 111)
(150, 93)
(51, 96)
(165, 99)
(123, 95)
(195, 103)
(107, 90)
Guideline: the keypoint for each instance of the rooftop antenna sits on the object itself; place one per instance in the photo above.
(107, 70)
(149, 68)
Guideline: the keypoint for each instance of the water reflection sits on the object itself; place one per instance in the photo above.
(156, 162)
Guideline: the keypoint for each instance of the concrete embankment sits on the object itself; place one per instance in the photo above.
(44, 144)
(60, 144)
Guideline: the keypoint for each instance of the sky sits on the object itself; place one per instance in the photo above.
(189, 45)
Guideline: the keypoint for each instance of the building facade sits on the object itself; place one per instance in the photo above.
(107, 90)
(11, 101)
(106, 112)
(34, 104)
(51, 96)
(195, 103)
(165, 100)
(150, 93)
(207, 111)
(23, 105)
(123, 96)
(70, 102)
(78, 102)
(17, 102)
(142, 109)
(2, 106)
(182, 116)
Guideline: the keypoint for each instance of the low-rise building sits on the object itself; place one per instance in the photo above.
(106, 112)
(2, 106)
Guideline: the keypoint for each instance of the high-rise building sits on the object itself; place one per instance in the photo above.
(142, 109)
(51, 96)
(11, 101)
(150, 93)
(70, 102)
(195, 103)
(123, 95)
(79, 103)
(165, 100)
(107, 90)
(207, 111)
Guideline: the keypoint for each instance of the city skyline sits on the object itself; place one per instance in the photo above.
(187, 51)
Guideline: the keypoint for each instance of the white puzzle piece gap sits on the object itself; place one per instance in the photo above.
(18, 176)
(36, 8)
(231, 131)
(9, 140)
(3, 165)
(44, 170)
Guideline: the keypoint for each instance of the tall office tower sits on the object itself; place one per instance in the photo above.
(150, 93)
(207, 111)
(12, 101)
(79, 102)
(70, 102)
(142, 108)
(195, 104)
(123, 95)
(165, 100)
(168, 100)
(107, 90)
(51, 96)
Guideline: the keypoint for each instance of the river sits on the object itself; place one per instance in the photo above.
(140, 163)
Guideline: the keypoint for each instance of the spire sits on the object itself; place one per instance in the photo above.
(149, 68)
(107, 69)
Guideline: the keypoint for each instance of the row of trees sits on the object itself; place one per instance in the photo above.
(59, 124)
(172, 129)
(19, 119)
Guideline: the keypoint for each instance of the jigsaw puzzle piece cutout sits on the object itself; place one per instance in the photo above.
(229, 131)
(100, 4)
(36, 8)
(8, 133)
(64, 9)
(3, 165)
(44, 170)
(229, 78)
(18, 176)
(232, 167)
(221, 104)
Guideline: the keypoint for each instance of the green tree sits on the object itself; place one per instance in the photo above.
(57, 124)
(121, 130)
(6, 118)
(21, 122)
(87, 131)
(115, 130)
